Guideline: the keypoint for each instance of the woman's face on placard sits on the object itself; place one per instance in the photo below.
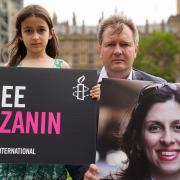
(161, 137)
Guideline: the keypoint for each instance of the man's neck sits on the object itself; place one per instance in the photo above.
(122, 75)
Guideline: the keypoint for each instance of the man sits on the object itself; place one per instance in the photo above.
(118, 39)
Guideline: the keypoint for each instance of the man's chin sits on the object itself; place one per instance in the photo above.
(119, 69)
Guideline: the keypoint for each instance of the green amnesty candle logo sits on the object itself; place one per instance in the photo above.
(80, 89)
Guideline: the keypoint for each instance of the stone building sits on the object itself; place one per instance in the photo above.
(78, 44)
(174, 21)
(178, 6)
(8, 9)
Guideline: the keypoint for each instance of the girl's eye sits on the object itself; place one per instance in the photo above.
(154, 128)
(28, 30)
(41, 30)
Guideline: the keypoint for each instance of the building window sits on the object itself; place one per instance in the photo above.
(75, 45)
(91, 58)
(75, 59)
(91, 45)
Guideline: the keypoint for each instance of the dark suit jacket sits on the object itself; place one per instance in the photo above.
(140, 75)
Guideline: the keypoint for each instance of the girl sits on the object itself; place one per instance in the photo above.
(35, 45)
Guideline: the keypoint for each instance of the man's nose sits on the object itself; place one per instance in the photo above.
(118, 49)
(167, 138)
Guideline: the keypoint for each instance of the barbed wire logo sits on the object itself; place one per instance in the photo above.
(80, 90)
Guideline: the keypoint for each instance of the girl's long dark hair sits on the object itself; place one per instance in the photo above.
(17, 48)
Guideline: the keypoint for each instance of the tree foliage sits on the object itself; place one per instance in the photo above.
(157, 53)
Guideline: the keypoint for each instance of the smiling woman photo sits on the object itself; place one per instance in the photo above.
(152, 138)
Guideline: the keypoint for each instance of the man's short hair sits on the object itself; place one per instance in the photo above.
(117, 22)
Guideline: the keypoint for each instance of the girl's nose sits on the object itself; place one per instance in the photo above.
(35, 35)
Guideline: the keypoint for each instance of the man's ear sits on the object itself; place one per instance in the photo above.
(51, 33)
(136, 51)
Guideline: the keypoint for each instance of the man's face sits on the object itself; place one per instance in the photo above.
(118, 51)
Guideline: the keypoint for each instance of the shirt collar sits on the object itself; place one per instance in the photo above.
(103, 74)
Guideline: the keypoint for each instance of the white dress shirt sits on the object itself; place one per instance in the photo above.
(103, 74)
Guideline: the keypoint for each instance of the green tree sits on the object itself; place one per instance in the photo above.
(157, 53)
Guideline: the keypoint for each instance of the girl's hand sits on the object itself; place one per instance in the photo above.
(91, 173)
(95, 92)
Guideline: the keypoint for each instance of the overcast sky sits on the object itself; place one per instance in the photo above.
(91, 10)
